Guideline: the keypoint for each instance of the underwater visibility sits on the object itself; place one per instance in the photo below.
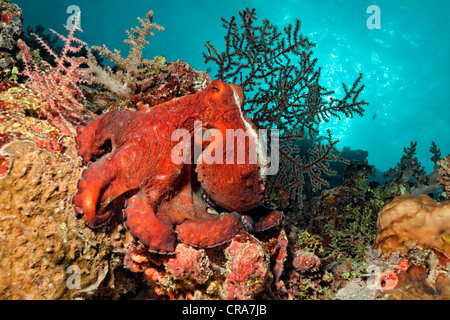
(235, 150)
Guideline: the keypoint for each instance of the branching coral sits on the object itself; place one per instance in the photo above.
(131, 72)
(57, 86)
(297, 165)
(409, 171)
(281, 80)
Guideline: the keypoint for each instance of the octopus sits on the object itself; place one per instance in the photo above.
(132, 158)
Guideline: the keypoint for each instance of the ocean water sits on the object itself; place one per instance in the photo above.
(406, 62)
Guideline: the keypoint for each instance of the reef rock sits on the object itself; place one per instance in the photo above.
(45, 252)
(409, 222)
(243, 269)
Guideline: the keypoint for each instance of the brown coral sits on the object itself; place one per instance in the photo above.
(42, 244)
(413, 285)
(410, 221)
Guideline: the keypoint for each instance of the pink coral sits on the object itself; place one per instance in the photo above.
(238, 270)
(305, 261)
(190, 262)
(57, 86)
(247, 266)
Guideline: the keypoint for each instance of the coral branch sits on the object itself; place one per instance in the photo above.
(57, 86)
(131, 71)
(410, 172)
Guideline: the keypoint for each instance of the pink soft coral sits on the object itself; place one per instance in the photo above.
(57, 86)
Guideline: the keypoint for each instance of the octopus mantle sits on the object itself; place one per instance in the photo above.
(130, 158)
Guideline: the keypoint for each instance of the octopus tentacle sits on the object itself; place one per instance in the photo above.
(93, 180)
(145, 226)
(96, 138)
(101, 183)
(209, 233)
(261, 218)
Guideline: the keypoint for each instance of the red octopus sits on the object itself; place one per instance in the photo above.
(130, 156)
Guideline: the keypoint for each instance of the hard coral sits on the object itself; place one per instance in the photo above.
(407, 222)
(40, 238)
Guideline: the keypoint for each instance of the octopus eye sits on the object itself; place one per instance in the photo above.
(215, 89)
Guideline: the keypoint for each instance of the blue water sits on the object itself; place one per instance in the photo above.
(406, 63)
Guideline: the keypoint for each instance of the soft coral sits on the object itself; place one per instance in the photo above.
(57, 86)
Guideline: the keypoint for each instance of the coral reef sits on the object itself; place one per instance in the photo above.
(243, 269)
(311, 272)
(18, 121)
(409, 221)
(10, 31)
(413, 285)
(323, 250)
(330, 237)
(39, 235)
